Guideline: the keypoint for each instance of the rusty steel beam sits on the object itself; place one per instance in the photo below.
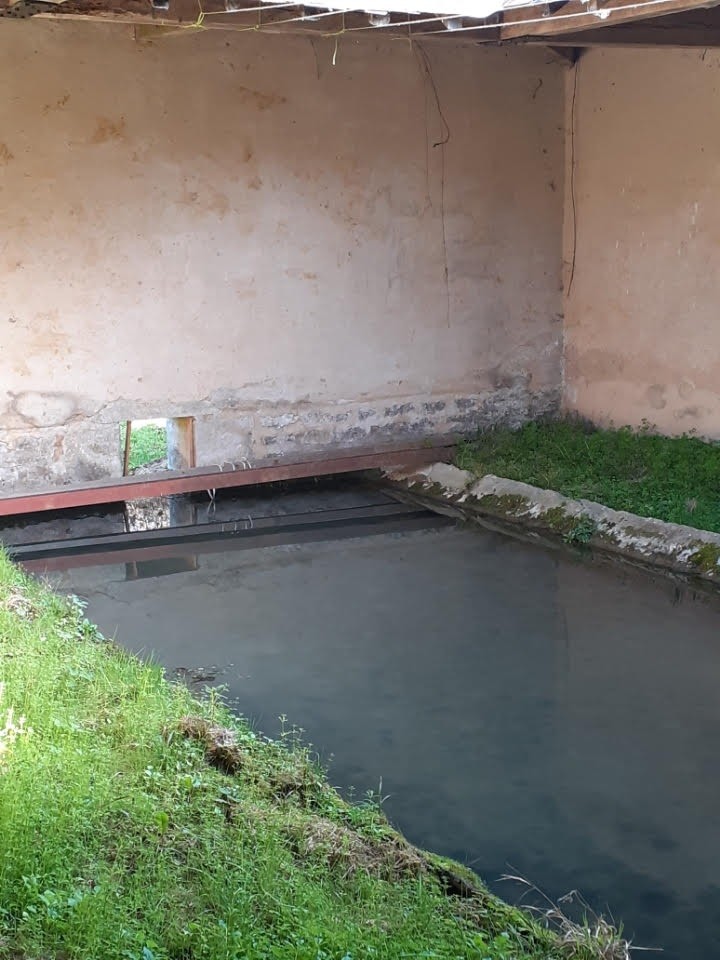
(117, 490)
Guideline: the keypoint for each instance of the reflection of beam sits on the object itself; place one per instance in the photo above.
(309, 533)
(246, 527)
(190, 481)
(574, 16)
(143, 569)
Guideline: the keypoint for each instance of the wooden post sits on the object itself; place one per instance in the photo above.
(126, 455)
(181, 443)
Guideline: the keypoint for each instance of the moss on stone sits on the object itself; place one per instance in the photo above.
(559, 521)
(427, 489)
(506, 504)
(706, 557)
(638, 532)
(608, 537)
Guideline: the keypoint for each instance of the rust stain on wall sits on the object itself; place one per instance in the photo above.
(262, 101)
(218, 203)
(108, 129)
(57, 105)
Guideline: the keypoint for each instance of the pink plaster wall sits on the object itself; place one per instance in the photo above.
(642, 319)
(227, 226)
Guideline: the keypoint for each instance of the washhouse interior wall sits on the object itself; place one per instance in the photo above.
(642, 338)
(296, 252)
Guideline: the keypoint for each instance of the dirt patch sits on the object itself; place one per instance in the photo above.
(19, 605)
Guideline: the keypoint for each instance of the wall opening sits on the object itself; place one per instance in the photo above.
(160, 443)
(152, 446)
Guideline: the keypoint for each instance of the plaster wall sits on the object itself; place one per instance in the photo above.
(642, 338)
(299, 255)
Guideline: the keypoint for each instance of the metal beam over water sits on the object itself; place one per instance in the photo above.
(119, 489)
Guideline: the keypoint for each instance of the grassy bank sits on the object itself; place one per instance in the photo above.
(138, 823)
(670, 478)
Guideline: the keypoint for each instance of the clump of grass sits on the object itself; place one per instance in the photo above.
(670, 478)
(593, 936)
(139, 823)
(148, 445)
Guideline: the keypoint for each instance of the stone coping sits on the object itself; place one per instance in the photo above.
(672, 546)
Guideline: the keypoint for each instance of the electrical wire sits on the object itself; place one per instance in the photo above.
(572, 178)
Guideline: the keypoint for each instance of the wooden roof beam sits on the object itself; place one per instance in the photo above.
(701, 28)
(155, 17)
(575, 16)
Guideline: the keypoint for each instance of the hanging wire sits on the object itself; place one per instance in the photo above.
(576, 73)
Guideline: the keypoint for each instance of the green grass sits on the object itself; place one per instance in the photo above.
(131, 832)
(669, 478)
(148, 444)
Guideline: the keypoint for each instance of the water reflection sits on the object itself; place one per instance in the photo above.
(520, 707)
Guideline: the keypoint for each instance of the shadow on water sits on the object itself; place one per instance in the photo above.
(519, 706)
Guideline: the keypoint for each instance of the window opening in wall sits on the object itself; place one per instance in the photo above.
(160, 443)
(151, 446)
(143, 445)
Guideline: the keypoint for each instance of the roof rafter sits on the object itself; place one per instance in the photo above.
(570, 23)
(575, 15)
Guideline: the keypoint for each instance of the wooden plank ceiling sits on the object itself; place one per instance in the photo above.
(560, 24)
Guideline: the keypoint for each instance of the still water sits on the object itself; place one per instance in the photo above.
(519, 708)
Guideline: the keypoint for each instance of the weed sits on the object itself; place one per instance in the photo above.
(593, 937)
(582, 530)
(676, 479)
